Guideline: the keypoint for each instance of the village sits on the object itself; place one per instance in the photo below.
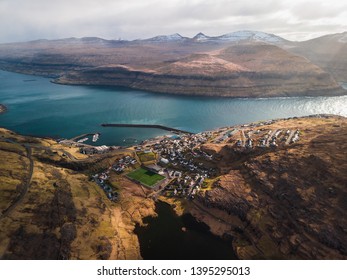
(167, 167)
(175, 165)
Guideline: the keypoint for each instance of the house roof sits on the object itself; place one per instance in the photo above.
(153, 167)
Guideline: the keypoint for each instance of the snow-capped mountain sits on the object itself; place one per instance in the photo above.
(250, 36)
(238, 36)
(166, 38)
(201, 37)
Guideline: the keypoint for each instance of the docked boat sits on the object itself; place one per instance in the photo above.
(95, 137)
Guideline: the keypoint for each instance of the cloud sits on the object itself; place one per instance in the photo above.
(22, 20)
(312, 10)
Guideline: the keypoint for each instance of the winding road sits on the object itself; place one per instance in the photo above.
(25, 185)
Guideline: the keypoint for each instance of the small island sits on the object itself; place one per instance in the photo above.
(3, 109)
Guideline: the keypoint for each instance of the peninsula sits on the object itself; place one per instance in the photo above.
(238, 64)
(277, 187)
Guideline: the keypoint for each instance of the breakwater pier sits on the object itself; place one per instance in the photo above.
(158, 126)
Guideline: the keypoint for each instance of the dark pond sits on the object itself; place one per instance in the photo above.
(163, 238)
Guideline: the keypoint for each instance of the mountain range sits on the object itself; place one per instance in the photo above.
(238, 64)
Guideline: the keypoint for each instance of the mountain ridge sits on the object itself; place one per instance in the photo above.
(239, 33)
(265, 63)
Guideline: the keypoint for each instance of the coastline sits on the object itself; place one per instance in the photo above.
(191, 90)
(170, 88)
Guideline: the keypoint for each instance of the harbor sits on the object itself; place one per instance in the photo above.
(85, 137)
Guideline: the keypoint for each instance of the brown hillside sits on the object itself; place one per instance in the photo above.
(290, 201)
(328, 52)
(248, 70)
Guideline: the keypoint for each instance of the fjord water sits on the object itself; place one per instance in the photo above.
(38, 107)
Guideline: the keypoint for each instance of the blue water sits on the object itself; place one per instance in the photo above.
(38, 107)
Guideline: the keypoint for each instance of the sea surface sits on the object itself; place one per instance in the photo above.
(38, 107)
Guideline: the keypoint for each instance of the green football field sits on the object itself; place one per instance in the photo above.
(145, 177)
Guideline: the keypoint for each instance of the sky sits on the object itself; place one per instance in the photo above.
(24, 20)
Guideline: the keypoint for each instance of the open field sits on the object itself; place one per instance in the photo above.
(145, 177)
(146, 157)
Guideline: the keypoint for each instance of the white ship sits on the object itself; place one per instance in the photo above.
(95, 137)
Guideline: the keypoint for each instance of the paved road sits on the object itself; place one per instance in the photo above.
(270, 137)
(70, 156)
(290, 137)
(25, 186)
(243, 137)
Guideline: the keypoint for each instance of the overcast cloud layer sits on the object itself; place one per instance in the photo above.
(23, 20)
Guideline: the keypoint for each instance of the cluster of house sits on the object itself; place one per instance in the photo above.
(296, 137)
(258, 124)
(270, 138)
(123, 163)
(182, 153)
(118, 166)
(185, 186)
(225, 135)
(287, 137)
(89, 150)
(187, 172)
(273, 139)
(101, 180)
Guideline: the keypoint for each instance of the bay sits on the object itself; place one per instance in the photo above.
(38, 107)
